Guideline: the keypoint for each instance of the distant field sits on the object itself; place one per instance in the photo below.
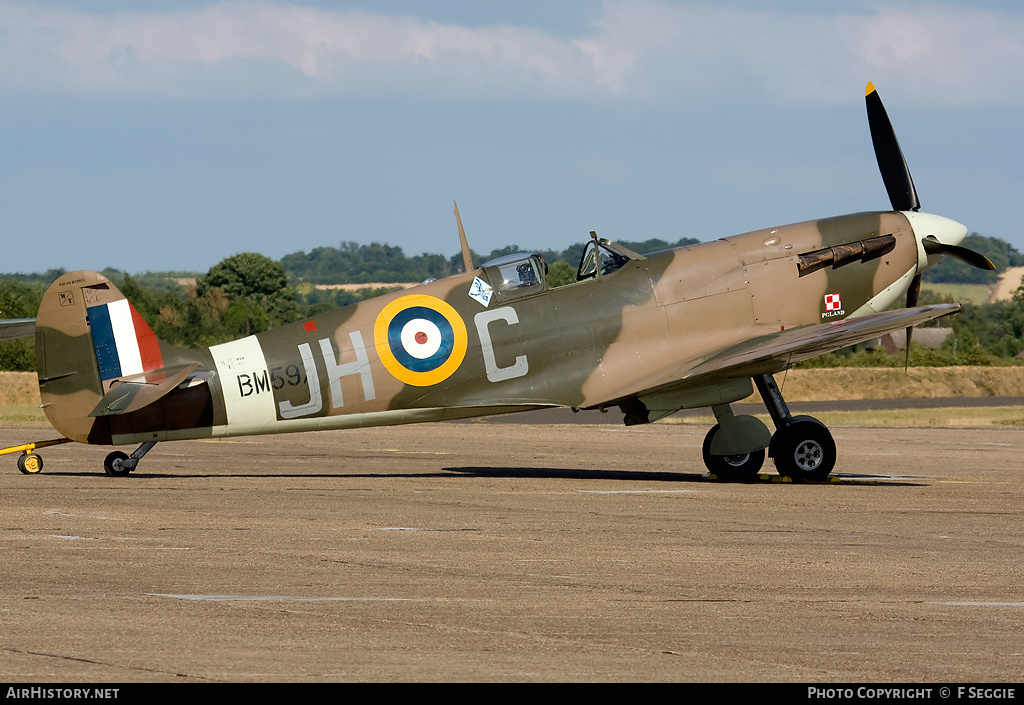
(369, 285)
(1008, 283)
(955, 417)
(976, 294)
(19, 399)
(829, 384)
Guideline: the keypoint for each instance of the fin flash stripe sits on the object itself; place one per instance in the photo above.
(124, 343)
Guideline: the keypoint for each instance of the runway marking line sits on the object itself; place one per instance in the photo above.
(980, 604)
(635, 491)
(280, 598)
(71, 538)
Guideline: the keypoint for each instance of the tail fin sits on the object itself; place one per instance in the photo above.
(87, 336)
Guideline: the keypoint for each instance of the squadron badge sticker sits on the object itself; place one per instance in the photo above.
(481, 291)
(833, 306)
(420, 339)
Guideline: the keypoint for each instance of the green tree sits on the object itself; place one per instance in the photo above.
(248, 274)
(1000, 252)
(561, 273)
(19, 300)
(257, 291)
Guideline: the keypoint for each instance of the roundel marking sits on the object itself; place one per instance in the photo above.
(421, 340)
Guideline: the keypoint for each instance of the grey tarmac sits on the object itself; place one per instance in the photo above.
(513, 552)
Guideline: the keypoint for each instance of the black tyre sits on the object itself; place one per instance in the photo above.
(30, 464)
(731, 467)
(114, 465)
(804, 450)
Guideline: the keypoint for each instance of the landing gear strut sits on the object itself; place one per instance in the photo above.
(801, 447)
(119, 463)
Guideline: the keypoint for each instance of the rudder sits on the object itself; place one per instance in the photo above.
(87, 335)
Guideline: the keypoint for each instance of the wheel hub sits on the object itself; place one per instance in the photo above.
(808, 455)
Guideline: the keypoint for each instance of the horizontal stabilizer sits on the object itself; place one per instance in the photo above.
(137, 391)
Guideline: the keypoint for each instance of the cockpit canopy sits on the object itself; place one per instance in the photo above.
(517, 274)
(525, 273)
(602, 256)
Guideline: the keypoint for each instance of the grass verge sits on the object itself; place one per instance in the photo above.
(958, 417)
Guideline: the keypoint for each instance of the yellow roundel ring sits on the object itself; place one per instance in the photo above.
(420, 339)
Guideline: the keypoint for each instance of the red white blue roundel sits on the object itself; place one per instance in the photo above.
(420, 339)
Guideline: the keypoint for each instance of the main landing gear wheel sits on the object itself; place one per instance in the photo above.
(803, 450)
(731, 467)
(30, 464)
(116, 464)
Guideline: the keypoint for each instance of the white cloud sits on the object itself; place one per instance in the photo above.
(638, 50)
(930, 53)
(276, 49)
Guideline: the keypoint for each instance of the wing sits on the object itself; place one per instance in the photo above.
(11, 328)
(785, 348)
(774, 352)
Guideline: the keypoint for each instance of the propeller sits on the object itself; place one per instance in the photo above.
(932, 246)
(903, 196)
(895, 173)
(912, 293)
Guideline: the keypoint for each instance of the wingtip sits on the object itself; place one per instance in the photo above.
(869, 89)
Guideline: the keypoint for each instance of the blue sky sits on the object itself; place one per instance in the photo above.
(169, 135)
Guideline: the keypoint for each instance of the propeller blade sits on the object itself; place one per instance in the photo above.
(914, 291)
(895, 173)
(933, 247)
(912, 294)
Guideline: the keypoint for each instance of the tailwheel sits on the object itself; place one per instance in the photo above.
(803, 450)
(731, 467)
(120, 464)
(116, 464)
(30, 464)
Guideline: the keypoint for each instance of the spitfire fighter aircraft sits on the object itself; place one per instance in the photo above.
(698, 326)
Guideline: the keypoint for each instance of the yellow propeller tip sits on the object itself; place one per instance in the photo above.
(869, 90)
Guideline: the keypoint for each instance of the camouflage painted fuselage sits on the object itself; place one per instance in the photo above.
(630, 337)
